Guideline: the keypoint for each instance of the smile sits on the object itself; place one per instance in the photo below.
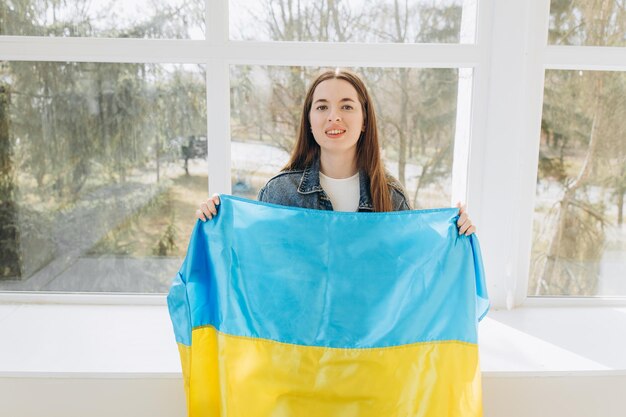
(335, 133)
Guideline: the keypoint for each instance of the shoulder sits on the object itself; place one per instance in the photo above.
(282, 184)
(283, 176)
(399, 197)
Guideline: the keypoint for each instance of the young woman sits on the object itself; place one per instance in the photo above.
(336, 162)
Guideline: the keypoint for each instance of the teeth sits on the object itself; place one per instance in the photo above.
(334, 132)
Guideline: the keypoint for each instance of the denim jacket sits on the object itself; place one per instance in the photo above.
(301, 188)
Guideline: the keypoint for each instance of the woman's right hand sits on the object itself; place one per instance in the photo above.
(208, 208)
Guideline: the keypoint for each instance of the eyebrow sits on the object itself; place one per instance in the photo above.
(343, 99)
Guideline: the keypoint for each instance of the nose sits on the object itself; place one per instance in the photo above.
(334, 117)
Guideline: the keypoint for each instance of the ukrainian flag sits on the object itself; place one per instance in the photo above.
(282, 311)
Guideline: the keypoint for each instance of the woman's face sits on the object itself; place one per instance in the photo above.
(336, 116)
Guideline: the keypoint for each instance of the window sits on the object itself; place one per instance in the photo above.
(114, 121)
(579, 237)
(106, 162)
(588, 22)
(370, 21)
(579, 245)
(415, 109)
(102, 18)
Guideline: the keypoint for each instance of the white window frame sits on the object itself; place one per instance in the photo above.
(508, 61)
(520, 43)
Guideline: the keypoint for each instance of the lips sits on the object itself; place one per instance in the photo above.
(335, 133)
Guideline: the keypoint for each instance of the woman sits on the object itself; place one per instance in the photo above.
(336, 162)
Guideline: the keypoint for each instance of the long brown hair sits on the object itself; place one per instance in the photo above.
(368, 150)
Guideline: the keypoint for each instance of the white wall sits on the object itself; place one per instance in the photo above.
(549, 396)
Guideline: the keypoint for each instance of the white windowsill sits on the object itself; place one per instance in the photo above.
(136, 341)
(554, 341)
(45, 340)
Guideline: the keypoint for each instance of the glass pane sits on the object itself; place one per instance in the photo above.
(579, 237)
(101, 170)
(415, 111)
(415, 21)
(104, 18)
(588, 22)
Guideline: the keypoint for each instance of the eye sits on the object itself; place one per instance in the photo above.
(348, 106)
(320, 107)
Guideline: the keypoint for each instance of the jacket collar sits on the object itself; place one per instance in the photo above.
(310, 183)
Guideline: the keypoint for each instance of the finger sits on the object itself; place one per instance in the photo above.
(462, 219)
(215, 201)
(200, 215)
(211, 206)
(463, 228)
(206, 208)
(470, 231)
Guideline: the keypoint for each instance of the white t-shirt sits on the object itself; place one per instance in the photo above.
(344, 193)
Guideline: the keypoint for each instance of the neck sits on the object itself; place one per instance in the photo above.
(338, 165)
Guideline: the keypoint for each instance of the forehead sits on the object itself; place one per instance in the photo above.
(335, 89)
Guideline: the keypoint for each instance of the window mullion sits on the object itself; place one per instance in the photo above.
(599, 58)
(218, 99)
(511, 145)
(122, 50)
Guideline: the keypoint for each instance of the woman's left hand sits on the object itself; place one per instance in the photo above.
(464, 223)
